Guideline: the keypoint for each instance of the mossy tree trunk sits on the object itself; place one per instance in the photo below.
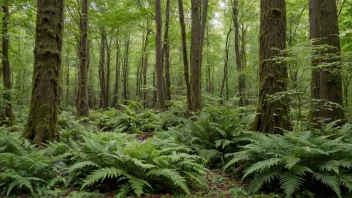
(6, 70)
(273, 108)
(83, 101)
(330, 91)
(42, 123)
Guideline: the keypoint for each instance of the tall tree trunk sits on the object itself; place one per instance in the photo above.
(6, 70)
(42, 123)
(145, 68)
(108, 71)
(314, 25)
(240, 67)
(125, 69)
(102, 69)
(185, 55)
(159, 60)
(67, 78)
(226, 73)
(196, 56)
(83, 102)
(330, 91)
(273, 113)
(166, 52)
(115, 101)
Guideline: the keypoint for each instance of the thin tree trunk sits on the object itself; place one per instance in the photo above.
(115, 101)
(196, 56)
(83, 100)
(185, 55)
(125, 70)
(102, 69)
(166, 52)
(240, 68)
(273, 113)
(42, 123)
(108, 71)
(159, 61)
(6, 70)
(226, 73)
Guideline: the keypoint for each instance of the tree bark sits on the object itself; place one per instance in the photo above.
(240, 67)
(83, 100)
(314, 25)
(115, 101)
(125, 69)
(42, 123)
(196, 56)
(273, 105)
(102, 69)
(6, 70)
(108, 71)
(166, 52)
(330, 91)
(159, 61)
(185, 55)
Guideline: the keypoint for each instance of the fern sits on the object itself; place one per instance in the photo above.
(173, 175)
(101, 174)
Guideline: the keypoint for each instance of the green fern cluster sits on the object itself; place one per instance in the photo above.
(294, 161)
(131, 118)
(210, 135)
(116, 161)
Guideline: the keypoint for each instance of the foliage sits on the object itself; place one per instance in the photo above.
(109, 160)
(295, 161)
(211, 134)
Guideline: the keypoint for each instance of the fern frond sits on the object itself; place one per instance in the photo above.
(290, 183)
(123, 191)
(331, 165)
(330, 181)
(81, 165)
(101, 174)
(261, 166)
(138, 184)
(173, 175)
(260, 179)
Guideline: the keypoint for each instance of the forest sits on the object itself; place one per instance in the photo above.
(176, 98)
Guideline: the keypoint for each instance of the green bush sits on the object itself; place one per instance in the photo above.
(295, 162)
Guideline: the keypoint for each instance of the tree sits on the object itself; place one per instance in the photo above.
(42, 122)
(6, 70)
(239, 61)
(185, 55)
(83, 105)
(273, 110)
(326, 82)
(159, 58)
(166, 52)
(195, 56)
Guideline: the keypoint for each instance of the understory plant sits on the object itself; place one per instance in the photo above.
(101, 162)
(210, 135)
(295, 162)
